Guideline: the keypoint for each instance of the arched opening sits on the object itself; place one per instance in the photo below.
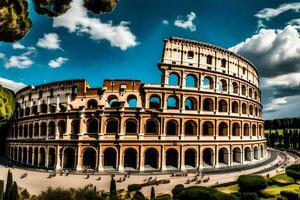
(208, 129)
(61, 127)
(75, 127)
(24, 155)
(27, 111)
(190, 128)
(16, 154)
(173, 78)
(110, 159)
(171, 127)
(255, 95)
(36, 129)
(30, 156)
(254, 130)
(36, 156)
(131, 126)
(30, 131)
(223, 63)
(43, 108)
(42, 157)
(132, 101)
(256, 111)
(151, 159)
(235, 88)
(51, 129)
(190, 103)
(89, 158)
(247, 154)
(223, 129)
(256, 156)
(208, 104)
(243, 90)
(190, 158)
(209, 59)
(246, 130)
(190, 54)
(154, 102)
(130, 159)
(250, 92)
(51, 158)
(223, 106)
(223, 156)
(244, 108)
(191, 81)
(223, 85)
(151, 127)
(16, 132)
(251, 110)
(92, 103)
(92, 126)
(172, 102)
(260, 130)
(235, 107)
(172, 159)
(112, 126)
(113, 101)
(208, 83)
(208, 157)
(20, 131)
(25, 131)
(235, 129)
(237, 156)
(69, 158)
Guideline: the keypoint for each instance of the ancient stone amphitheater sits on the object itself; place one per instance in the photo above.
(205, 113)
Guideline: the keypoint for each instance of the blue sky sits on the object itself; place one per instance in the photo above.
(129, 44)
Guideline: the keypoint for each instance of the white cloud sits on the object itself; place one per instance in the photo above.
(268, 13)
(188, 23)
(2, 56)
(275, 104)
(291, 80)
(15, 86)
(18, 45)
(274, 51)
(165, 22)
(57, 62)
(76, 19)
(49, 41)
(20, 62)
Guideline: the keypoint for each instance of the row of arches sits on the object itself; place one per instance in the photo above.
(131, 126)
(208, 82)
(131, 160)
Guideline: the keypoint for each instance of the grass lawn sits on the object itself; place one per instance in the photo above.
(280, 131)
(228, 189)
(275, 189)
(282, 178)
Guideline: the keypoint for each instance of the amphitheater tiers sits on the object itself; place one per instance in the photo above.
(205, 113)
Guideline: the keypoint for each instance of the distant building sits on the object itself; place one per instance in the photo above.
(205, 113)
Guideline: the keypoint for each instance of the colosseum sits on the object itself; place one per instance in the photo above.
(205, 113)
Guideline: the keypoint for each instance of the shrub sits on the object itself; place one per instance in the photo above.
(134, 187)
(293, 171)
(113, 189)
(152, 196)
(248, 196)
(251, 183)
(138, 196)
(290, 195)
(177, 190)
(164, 197)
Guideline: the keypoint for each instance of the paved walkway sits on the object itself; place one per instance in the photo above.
(36, 181)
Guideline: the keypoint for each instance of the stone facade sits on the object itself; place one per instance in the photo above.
(205, 113)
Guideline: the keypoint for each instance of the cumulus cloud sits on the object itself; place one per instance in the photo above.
(188, 23)
(18, 45)
(56, 63)
(275, 104)
(20, 62)
(268, 13)
(12, 85)
(2, 56)
(165, 22)
(274, 51)
(76, 20)
(50, 41)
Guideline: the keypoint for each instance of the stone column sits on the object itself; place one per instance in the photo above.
(59, 162)
(120, 160)
(100, 159)
(182, 159)
(163, 159)
(216, 158)
(142, 158)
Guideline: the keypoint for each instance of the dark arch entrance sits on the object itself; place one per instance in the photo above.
(208, 157)
(51, 158)
(151, 158)
(223, 156)
(89, 158)
(190, 158)
(69, 158)
(42, 157)
(172, 158)
(237, 155)
(110, 158)
(130, 159)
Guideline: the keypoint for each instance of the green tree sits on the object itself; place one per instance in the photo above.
(293, 171)
(1, 189)
(252, 183)
(152, 196)
(13, 193)
(9, 184)
(113, 189)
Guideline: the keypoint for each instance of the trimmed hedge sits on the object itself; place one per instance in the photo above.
(164, 197)
(293, 171)
(134, 187)
(251, 183)
(289, 195)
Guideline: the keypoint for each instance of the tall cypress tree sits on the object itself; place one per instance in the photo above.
(14, 194)
(1, 189)
(9, 184)
(113, 189)
(152, 193)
